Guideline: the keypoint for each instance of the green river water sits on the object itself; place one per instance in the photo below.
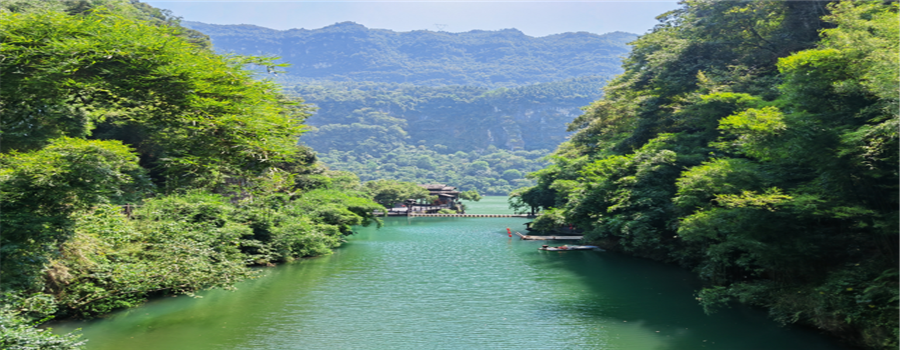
(449, 283)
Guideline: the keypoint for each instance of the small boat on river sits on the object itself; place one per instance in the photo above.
(570, 247)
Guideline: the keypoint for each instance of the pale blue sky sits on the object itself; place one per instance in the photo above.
(534, 18)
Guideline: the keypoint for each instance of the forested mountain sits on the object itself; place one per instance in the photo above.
(351, 52)
(451, 118)
(435, 134)
(756, 143)
(449, 99)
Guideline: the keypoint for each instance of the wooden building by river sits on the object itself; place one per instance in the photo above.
(445, 197)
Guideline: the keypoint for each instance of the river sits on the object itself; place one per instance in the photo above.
(449, 283)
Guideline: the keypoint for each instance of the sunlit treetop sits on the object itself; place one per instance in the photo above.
(103, 75)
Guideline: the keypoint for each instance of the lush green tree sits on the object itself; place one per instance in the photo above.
(127, 8)
(391, 192)
(425, 162)
(741, 143)
(112, 262)
(101, 97)
(40, 191)
(470, 195)
(193, 116)
(341, 209)
(479, 167)
(512, 174)
(18, 333)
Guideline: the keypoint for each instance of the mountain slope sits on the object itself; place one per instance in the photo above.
(477, 110)
(461, 118)
(471, 137)
(351, 52)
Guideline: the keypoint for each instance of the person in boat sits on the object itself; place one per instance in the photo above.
(563, 247)
(544, 246)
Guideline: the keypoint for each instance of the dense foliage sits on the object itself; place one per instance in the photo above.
(448, 92)
(376, 117)
(193, 116)
(435, 134)
(136, 162)
(129, 8)
(757, 143)
(351, 52)
(492, 172)
(391, 193)
(16, 334)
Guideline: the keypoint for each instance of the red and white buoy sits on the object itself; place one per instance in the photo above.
(509, 232)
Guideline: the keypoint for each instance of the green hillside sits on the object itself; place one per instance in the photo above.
(351, 52)
(755, 143)
(450, 99)
(438, 134)
(371, 117)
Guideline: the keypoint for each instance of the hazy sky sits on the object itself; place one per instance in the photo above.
(534, 18)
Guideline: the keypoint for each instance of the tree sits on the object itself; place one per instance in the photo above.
(391, 192)
(742, 144)
(194, 117)
(18, 333)
(512, 174)
(41, 190)
(103, 97)
(126, 8)
(478, 168)
(470, 195)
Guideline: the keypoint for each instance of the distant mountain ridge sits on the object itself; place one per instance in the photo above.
(349, 51)
(477, 109)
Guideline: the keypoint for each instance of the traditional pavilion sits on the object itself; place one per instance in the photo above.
(447, 196)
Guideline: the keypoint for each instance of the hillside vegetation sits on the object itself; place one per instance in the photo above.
(756, 143)
(136, 162)
(351, 52)
(425, 106)
(442, 134)
(451, 118)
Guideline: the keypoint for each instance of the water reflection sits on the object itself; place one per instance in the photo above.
(449, 283)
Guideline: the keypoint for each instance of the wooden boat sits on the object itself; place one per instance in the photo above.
(570, 247)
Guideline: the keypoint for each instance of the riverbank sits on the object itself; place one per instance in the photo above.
(448, 283)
